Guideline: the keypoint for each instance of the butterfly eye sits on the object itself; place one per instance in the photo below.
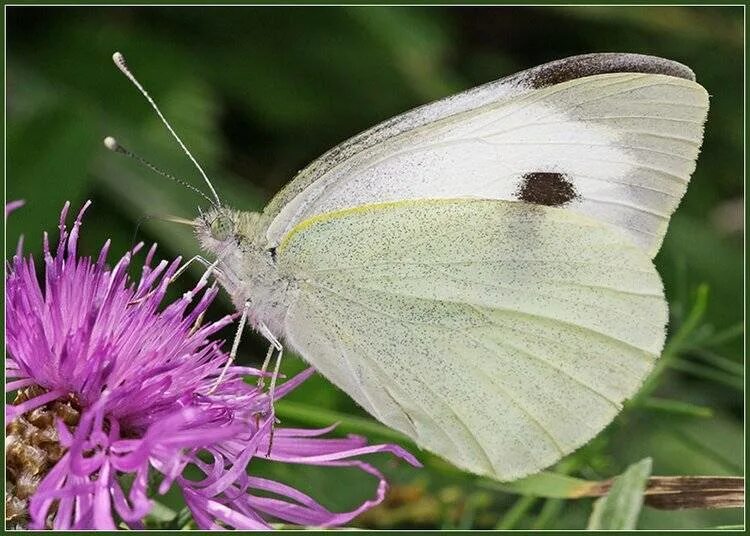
(222, 228)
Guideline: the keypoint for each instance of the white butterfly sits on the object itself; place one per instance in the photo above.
(476, 273)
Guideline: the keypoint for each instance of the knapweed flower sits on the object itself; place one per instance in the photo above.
(13, 205)
(114, 405)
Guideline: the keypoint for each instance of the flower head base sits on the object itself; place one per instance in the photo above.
(136, 382)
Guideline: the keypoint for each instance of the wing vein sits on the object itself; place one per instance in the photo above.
(588, 144)
(501, 310)
(369, 267)
(540, 359)
(446, 404)
(502, 390)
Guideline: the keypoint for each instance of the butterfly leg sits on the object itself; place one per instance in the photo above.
(181, 269)
(235, 346)
(262, 377)
(210, 269)
(274, 345)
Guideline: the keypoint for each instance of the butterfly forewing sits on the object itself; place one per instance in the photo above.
(611, 136)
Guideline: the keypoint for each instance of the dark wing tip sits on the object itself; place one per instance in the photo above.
(575, 67)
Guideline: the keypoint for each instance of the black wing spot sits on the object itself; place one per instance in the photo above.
(575, 67)
(272, 253)
(546, 188)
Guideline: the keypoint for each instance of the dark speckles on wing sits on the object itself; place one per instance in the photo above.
(546, 188)
(575, 67)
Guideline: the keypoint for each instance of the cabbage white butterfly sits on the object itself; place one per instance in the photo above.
(476, 273)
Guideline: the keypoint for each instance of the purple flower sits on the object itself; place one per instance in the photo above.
(13, 205)
(114, 388)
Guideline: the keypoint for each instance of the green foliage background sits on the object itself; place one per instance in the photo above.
(259, 92)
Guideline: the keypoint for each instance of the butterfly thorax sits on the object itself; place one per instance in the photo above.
(247, 264)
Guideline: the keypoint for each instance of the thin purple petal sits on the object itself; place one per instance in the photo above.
(13, 205)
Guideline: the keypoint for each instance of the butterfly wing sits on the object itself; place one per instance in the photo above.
(499, 335)
(611, 136)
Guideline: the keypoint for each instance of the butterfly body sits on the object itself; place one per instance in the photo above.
(248, 269)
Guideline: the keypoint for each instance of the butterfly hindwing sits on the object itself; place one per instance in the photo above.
(498, 335)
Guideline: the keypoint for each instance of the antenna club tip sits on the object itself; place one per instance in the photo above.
(111, 144)
(120, 62)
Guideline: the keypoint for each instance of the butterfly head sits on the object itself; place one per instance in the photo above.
(222, 227)
(245, 264)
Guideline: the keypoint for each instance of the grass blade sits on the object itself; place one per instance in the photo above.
(619, 509)
(516, 513)
(724, 336)
(676, 407)
(720, 362)
(707, 373)
(675, 344)
(548, 485)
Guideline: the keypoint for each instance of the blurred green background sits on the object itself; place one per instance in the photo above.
(257, 93)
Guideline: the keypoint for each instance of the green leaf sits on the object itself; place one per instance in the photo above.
(516, 513)
(548, 513)
(708, 373)
(548, 485)
(161, 513)
(619, 509)
(734, 331)
(720, 362)
(677, 407)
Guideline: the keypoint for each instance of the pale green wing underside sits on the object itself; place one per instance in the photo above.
(499, 335)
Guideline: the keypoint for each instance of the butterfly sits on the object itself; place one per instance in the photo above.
(477, 273)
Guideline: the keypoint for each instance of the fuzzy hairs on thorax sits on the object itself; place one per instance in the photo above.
(247, 266)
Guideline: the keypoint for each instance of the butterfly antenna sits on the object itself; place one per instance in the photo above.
(114, 146)
(121, 64)
(147, 217)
